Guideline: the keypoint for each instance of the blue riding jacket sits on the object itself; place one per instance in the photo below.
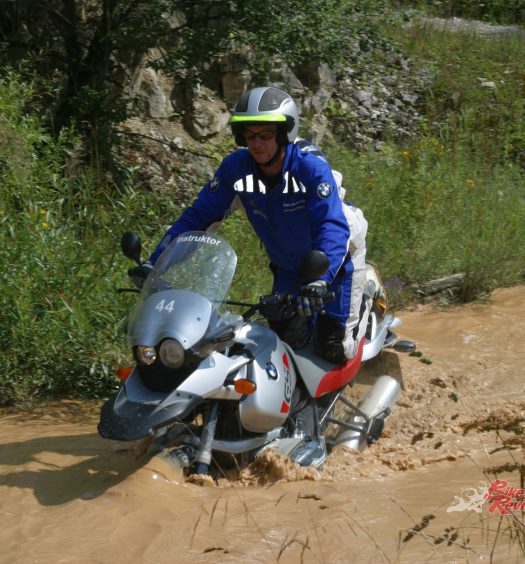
(303, 212)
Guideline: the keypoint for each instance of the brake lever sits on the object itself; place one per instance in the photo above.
(128, 290)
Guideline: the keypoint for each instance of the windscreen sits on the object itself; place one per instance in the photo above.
(197, 262)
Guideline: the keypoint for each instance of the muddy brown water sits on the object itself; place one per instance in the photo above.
(68, 496)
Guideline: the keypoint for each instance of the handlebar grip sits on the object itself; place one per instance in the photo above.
(329, 297)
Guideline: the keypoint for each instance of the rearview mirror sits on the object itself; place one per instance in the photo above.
(131, 246)
(314, 264)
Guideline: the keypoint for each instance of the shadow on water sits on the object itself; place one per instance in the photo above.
(60, 469)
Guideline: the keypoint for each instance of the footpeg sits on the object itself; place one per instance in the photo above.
(404, 346)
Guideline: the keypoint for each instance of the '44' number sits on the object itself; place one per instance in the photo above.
(163, 306)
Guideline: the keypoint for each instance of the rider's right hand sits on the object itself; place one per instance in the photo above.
(310, 298)
(139, 273)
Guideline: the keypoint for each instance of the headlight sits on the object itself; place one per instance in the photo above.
(145, 355)
(171, 353)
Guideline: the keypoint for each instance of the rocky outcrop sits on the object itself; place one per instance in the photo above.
(455, 25)
(236, 77)
(366, 109)
(206, 114)
(154, 91)
(360, 107)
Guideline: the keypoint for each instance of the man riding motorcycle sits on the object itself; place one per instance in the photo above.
(291, 198)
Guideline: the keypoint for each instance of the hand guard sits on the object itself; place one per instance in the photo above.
(310, 298)
(139, 273)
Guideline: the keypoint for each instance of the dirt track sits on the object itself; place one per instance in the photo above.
(68, 496)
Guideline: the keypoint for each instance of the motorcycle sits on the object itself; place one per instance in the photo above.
(214, 389)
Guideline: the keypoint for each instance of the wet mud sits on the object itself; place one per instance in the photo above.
(418, 495)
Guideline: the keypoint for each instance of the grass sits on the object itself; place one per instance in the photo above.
(432, 214)
(493, 11)
(451, 200)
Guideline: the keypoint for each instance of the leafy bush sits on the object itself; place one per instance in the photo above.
(62, 326)
(299, 32)
(61, 317)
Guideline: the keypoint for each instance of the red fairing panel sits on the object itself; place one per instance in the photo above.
(285, 406)
(340, 376)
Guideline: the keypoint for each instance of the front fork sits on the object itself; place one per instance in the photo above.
(203, 455)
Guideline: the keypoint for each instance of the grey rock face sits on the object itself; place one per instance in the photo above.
(206, 115)
(153, 88)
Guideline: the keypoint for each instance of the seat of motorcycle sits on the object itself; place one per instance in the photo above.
(321, 376)
(308, 360)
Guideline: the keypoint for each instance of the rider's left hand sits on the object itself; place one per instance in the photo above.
(310, 298)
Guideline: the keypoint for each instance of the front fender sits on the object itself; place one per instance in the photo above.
(132, 415)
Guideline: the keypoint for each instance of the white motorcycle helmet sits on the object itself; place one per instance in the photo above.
(266, 104)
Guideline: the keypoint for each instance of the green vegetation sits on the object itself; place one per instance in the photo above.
(494, 11)
(62, 327)
(432, 213)
(300, 32)
(57, 228)
(449, 201)
(452, 200)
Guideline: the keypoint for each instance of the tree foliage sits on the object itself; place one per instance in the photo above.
(89, 48)
(298, 32)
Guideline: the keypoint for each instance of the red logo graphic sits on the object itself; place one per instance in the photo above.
(285, 406)
(504, 498)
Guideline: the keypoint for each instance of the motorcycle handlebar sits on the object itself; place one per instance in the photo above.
(280, 307)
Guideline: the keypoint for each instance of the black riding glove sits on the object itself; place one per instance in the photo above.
(139, 273)
(310, 298)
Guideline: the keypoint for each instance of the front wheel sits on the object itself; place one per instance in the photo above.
(170, 464)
